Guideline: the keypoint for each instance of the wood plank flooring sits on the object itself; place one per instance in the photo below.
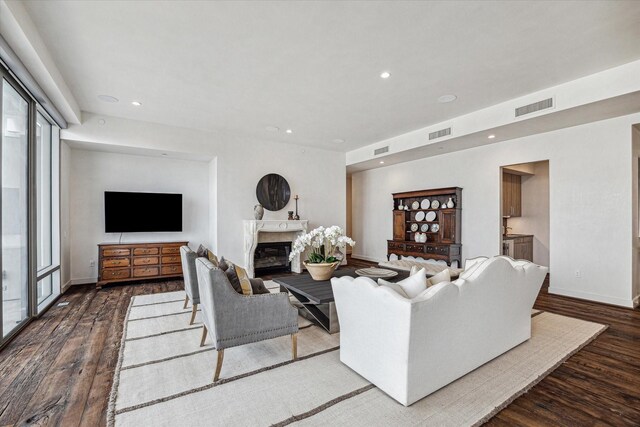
(59, 370)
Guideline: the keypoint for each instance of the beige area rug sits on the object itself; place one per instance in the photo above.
(163, 377)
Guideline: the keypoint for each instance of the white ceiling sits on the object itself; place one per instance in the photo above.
(314, 67)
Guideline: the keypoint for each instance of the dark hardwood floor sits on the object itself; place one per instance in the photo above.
(58, 371)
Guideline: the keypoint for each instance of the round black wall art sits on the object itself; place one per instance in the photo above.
(273, 192)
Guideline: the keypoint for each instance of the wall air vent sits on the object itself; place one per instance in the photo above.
(536, 106)
(380, 150)
(439, 133)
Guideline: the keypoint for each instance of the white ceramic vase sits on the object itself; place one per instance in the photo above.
(450, 203)
(258, 212)
(321, 271)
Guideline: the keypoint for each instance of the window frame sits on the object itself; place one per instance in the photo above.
(34, 309)
(51, 269)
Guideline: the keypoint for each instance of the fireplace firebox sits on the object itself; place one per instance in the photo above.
(272, 257)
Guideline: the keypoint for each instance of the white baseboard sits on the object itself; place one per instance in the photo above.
(365, 258)
(84, 281)
(65, 287)
(592, 297)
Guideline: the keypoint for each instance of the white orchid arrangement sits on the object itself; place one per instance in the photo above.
(324, 242)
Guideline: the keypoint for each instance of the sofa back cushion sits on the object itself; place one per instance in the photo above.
(410, 287)
(396, 287)
(443, 276)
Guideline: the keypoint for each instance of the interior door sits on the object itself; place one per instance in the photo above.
(14, 259)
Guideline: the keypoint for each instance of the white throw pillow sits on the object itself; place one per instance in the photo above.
(413, 285)
(393, 286)
(443, 276)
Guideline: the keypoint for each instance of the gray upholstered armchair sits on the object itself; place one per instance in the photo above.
(188, 258)
(233, 319)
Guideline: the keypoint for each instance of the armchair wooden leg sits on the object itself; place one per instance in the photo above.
(186, 301)
(218, 365)
(294, 346)
(193, 313)
(204, 336)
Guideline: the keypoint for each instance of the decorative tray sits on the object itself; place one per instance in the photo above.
(376, 273)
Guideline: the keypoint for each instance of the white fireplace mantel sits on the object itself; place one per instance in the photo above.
(288, 230)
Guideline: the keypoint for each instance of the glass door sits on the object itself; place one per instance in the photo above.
(14, 203)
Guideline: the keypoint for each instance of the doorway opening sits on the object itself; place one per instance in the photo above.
(525, 211)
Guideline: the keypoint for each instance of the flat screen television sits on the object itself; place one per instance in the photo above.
(142, 212)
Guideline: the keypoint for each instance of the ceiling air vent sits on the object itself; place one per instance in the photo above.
(439, 134)
(536, 106)
(380, 150)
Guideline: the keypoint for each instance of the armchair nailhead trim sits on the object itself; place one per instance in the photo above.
(258, 333)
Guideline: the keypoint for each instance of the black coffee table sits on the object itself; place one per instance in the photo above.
(316, 297)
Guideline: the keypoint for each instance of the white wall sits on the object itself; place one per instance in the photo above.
(65, 239)
(93, 172)
(317, 176)
(590, 204)
(535, 211)
(635, 200)
(213, 205)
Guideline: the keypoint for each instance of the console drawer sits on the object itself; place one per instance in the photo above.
(115, 262)
(116, 252)
(172, 250)
(145, 271)
(150, 260)
(440, 250)
(396, 246)
(171, 260)
(146, 251)
(414, 248)
(115, 273)
(171, 269)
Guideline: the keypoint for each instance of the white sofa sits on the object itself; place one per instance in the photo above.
(410, 348)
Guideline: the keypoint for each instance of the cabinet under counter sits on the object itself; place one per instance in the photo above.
(521, 244)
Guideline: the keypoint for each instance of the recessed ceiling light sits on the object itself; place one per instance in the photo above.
(385, 75)
(272, 128)
(102, 122)
(491, 136)
(108, 98)
(288, 131)
(164, 154)
(339, 141)
(382, 162)
(136, 103)
(447, 98)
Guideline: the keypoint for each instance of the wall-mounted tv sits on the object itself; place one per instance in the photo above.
(142, 212)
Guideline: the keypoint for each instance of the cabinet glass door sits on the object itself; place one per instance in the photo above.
(14, 206)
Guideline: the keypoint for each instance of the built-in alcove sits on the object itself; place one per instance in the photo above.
(525, 211)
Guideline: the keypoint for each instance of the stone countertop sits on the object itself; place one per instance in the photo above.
(514, 236)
